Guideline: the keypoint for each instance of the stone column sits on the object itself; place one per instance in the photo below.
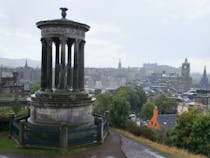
(69, 71)
(44, 65)
(49, 64)
(100, 131)
(81, 65)
(57, 59)
(63, 137)
(21, 132)
(63, 64)
(76, 66)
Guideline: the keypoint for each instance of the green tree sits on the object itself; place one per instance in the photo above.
(142, 97)
(180, 135)
(102, 103)
(165, 104)
(201, 135)
(35, 88)
(136, 97)
(147, 111)
(119, 111)
(192, 132)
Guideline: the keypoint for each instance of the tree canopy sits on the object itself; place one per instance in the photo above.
(147, 111)
(102, 103)
(119, 111)
(165, 104)
(35, 88)
(192, 132)
(135, 96)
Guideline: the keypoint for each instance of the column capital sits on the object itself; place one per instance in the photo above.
(70, 41)
(49, 40)
(43, 40)
(63, 40)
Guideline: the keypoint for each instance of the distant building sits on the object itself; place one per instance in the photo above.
(181, 83)
(119, 64)
(9, 83)
(186, 80)
(204, 80)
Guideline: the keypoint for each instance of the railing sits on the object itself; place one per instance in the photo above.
(58, 136)
(39, 136)
(82, 135)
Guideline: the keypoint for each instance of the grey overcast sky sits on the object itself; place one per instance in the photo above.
(137, 31)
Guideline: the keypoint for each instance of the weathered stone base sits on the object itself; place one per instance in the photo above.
(53, 108)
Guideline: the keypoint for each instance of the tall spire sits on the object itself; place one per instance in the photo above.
(26, 64)
(119, 64)
(204, 72)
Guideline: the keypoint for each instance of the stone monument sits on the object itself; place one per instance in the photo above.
(61, 98)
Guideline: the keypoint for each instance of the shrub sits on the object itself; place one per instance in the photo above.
(143, 131)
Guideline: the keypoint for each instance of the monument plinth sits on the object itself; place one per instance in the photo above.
(61, 98)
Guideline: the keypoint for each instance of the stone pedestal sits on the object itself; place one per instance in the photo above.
(53, 108)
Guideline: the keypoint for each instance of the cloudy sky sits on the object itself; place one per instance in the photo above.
(137, 31)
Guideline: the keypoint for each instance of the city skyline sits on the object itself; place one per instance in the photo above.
(136, 32)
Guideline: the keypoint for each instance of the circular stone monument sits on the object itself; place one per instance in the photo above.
(61, 98)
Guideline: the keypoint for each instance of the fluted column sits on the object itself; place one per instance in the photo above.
(81, 65)
(63, 64)
(76, 66)
(57, 59)
(44, 65)
(69, 69)
(49, 63)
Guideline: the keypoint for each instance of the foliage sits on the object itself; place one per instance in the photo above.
(141, 131)
(5, 113)
(35, 88)
(141, 95)
(147, 111)
(102, 103)
(120, 109)
(165, 104)
(6, 95)
(136, 97)
(192, 132)
(16, 107)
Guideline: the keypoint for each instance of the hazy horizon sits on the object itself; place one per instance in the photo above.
(137, 32)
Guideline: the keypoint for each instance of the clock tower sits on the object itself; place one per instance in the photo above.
(186, 69)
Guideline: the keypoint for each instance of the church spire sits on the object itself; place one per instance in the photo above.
(26, 64)
(204, 71)
(119, 64)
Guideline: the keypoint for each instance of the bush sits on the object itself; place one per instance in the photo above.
(142, 131)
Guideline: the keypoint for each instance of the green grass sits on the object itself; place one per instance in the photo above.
(9, 146)
(169, 152)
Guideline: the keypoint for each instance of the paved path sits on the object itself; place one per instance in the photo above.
(110, 149)
(133, 149)
(115, 146)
